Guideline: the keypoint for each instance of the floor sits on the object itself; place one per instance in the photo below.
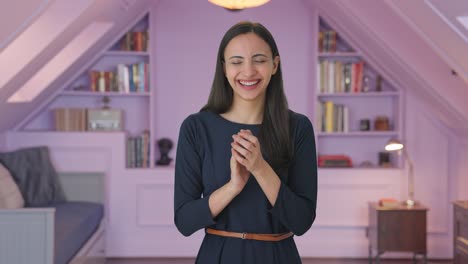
(304, 261)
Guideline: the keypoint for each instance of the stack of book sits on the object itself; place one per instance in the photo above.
(332, 117)
(134, 41)
(138, 150)
(70, 119)
(126, 79)
(327, 41)
(340, 77)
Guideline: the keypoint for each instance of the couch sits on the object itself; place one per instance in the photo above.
(45, 227)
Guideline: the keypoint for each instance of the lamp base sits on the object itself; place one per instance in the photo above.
(410, 203)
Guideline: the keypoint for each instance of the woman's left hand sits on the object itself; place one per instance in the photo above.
(247, 150)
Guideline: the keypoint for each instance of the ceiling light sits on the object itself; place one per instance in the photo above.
(238, 4)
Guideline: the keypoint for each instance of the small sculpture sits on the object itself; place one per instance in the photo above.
(165, 146)
(105, 102)
(364, 124)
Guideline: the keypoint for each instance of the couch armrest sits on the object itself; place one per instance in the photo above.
(27, 235)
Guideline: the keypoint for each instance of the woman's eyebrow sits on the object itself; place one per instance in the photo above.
(259, 55)
(235, 57)
(254, 56)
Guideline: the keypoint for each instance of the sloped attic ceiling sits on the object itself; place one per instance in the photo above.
(47, 28)
(404, 55)
(430, 18)
(19, 17)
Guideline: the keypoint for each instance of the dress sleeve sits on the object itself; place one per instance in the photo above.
(191, 210)
(296, 203)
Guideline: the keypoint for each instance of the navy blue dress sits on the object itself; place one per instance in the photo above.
(202, 166)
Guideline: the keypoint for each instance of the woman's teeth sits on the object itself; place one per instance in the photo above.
(248, 83)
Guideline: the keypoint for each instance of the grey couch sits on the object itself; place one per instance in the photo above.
(50, 229)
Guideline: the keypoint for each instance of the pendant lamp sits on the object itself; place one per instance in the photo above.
(238, 4)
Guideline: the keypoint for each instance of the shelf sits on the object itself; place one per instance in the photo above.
(360, 94)
(87, 93)
(153, 170)
(358, 134)
(338, 54)
(369, 97)
(126, 53)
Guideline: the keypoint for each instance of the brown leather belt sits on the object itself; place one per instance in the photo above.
(261, 237)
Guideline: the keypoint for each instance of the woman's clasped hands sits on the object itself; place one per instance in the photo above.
(246, 157)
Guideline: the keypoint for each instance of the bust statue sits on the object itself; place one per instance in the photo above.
(165, 145)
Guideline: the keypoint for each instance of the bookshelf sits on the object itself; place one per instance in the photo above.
(356, 109)
(121, 75)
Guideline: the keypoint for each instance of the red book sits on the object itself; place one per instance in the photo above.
(334, 161)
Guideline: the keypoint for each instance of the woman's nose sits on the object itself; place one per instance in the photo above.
(249, 69)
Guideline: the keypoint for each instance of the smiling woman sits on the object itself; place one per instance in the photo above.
(246, 168)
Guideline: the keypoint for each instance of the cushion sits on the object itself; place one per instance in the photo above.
(10, 196)
(35, 175)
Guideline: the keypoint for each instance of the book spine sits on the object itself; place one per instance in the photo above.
(329, 116)
(102, 82)
(129, 152)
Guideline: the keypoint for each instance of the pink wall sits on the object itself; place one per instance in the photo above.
(459, 166)
(186, 39)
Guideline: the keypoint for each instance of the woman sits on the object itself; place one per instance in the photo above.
(246, 168)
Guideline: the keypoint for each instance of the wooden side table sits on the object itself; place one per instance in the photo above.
(460, 232)
(399, 228)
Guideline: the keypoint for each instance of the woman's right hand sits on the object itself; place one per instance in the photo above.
(239, 174)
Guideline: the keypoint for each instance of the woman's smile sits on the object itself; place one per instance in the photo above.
(248, 85)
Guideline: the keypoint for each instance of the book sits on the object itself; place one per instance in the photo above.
(389, 202)
(334, 161)
(70, 119)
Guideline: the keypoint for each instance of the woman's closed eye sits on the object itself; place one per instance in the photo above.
(259, 61)
(254, 61)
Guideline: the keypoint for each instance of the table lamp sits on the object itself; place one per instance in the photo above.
(396, 145)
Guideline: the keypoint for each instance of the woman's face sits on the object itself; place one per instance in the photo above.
(248, 66)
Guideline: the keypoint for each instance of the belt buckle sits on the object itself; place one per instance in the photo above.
(243, 235)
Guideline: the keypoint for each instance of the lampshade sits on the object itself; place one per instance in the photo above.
(238, 4)
(394, 144)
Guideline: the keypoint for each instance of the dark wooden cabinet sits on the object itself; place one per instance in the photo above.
(460, 232)
(401, 229)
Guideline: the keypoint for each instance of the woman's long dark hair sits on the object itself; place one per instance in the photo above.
(274, 134)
